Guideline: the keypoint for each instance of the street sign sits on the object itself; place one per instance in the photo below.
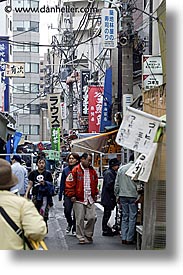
(15, 69)
(151, 64)
(151, 81)
(109, 28)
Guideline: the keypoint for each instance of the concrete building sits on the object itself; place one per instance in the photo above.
(26, 91)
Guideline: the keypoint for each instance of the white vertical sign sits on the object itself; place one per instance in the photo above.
(109, 28)
(137, 130)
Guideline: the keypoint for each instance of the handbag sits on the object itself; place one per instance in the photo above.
(33, 245)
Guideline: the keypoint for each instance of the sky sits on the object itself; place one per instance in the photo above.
(46, 19)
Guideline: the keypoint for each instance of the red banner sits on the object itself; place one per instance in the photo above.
(95, 99)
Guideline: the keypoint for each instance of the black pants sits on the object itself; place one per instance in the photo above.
(106, 217)
(68, 208)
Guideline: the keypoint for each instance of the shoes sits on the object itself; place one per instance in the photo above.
(82, 242)
(88, 240)
(73, 232)
(108, 233)
(123, 241)
(68, 229)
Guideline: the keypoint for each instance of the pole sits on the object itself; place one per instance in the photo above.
(127, 56)
(70, 105)
(150, 26)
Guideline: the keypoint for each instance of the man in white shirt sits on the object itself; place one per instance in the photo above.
(21, 173)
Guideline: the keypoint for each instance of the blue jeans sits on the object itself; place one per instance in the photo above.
(129, 218)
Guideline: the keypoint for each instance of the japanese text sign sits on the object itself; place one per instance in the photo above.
(137, 130)
(54, 110)
(15, 69)
(85, 77)
(109, 28)
(95, 99)
(55, 139)
(4, 81)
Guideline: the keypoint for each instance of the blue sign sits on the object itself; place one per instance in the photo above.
(4, 58)
(106, 117)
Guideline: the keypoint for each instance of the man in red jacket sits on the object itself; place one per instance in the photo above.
(81, 186)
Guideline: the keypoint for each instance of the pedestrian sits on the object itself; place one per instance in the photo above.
(72, 160)
(126, 190)
(108, 199)
(81, 187)
(21, 174)
(20, 210)
(41, 183)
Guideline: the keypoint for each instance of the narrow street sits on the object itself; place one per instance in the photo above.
(58, 240)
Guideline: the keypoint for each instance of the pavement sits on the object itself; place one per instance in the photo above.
(58, 240)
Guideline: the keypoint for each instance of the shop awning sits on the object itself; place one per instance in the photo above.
(96, 144)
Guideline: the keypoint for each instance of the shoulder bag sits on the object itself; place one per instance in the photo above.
(33, 245)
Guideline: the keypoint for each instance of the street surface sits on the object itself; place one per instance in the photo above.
(57, 239)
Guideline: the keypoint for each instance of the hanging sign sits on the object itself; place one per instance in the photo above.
(54, 109)
(109, 28)
(141, 168)
(15, 69)
(137, 130)
(95, 99)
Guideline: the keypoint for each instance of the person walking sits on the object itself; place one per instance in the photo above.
(126, 190)
(20, 210)
(41, 182)
(73, 160)
(108, 199)
(21, 174)
(81, 187)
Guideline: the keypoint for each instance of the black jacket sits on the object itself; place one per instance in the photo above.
(107, 196)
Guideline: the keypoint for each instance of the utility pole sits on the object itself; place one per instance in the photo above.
(126, 42)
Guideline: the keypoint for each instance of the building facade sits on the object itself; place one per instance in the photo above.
(26, 102)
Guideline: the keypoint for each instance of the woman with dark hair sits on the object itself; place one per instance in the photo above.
(73, 160)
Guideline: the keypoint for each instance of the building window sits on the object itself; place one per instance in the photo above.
(26, 88)
(34, 88)
(34, 109)
(26, 26)
(23, 109)
(34, 129)
(29, 129)
(32, 67)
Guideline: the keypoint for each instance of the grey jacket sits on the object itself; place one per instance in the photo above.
(124, 186)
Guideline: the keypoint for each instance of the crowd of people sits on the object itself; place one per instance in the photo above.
(27, 198)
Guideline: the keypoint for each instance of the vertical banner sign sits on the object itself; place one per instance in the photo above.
(55, 139)
(95, 99)
(85, 76)
(4, 81)
(137, 130)
(109, 28)
(106, 117)
(54, 109)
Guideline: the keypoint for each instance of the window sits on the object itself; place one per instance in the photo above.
(26, 88)
(34, 129)
(26, 26)
(29, 129)
(35, 48)
(32, 67)
(23, 109)
(34, 88)
(34, 26)
(34, 109)
(34, 4)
